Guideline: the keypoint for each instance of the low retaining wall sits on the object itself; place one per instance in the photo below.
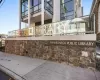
(74, 52)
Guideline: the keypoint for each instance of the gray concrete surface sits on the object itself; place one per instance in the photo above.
(36, 69)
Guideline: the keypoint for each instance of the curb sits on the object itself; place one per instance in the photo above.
(11, 73)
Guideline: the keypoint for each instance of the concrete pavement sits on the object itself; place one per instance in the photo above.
(24, 68)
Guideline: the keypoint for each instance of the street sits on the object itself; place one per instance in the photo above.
(4, 76)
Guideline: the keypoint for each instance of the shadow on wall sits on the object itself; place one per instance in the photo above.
(98, 55)
(2, 49)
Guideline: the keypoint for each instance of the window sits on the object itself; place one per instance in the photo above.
(67, 9)
(36, 2)
(49, 6)
(24, 8)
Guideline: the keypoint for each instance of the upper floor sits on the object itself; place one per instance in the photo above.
(36, 9)
(54, 10)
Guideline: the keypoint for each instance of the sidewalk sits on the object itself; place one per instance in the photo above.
(24, 68)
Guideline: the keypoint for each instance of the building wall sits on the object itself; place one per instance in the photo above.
(75, 50)
(32, 24)
(76, 53)
(99, 18)
(95, 11)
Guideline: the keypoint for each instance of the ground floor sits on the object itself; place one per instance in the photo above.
(36, 69)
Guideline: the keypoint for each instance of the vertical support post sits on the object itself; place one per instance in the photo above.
(20, 6)
(56, 10)
(34, 31)
(42, 12)
(42, 15)
(29, 15)
(94, 23)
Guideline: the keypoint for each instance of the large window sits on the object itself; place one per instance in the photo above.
(36, 7)
(67, 9)
(49, 6)
(36, 2)
(24, 8)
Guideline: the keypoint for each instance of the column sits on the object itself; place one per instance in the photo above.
(94, 24)
(42, 17)
(56, 10)
(42, 12)
(29, 15)
(19, 14)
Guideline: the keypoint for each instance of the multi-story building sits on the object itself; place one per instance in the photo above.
(95, 10)
(49, 17)
(39, 12)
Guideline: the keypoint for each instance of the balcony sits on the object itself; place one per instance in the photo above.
(77, 26)
(64, 28)
(36, 12)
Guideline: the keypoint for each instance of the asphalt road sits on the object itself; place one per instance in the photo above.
(4, 76)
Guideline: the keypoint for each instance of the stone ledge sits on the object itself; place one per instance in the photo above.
(68, 37)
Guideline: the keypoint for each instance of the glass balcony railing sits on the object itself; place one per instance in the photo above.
(58, 28)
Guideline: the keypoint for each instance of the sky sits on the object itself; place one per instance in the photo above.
(9, 14)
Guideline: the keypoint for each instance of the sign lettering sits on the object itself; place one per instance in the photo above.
(71, 43)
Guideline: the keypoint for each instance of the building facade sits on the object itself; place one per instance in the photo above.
(39, 12)
(95, 11)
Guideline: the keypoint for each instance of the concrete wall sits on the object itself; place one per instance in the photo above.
(87, 37)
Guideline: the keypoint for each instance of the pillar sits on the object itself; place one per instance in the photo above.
(42, 12)
(94, 24)
(29, 15)
(19, 14)
(56, 10)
